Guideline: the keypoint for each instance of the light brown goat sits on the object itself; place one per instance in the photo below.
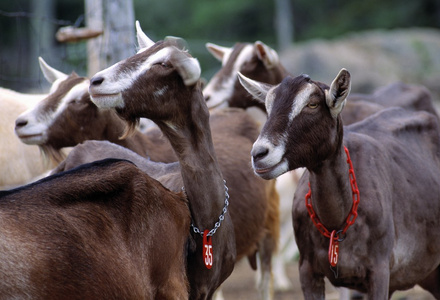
(95, 232)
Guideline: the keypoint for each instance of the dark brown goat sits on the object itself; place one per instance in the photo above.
(105, 230)
(257, 61)
(68, 117)
(394, 242)
(163, 74)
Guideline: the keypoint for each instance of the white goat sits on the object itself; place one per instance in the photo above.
(19, 163)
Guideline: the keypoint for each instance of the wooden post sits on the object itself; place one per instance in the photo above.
(284, 23)
(116, 19)
(41, 36)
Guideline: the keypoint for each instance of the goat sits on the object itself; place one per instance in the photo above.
(256, 60)
(260, 62)
(67, 117)
(104, 230)
(169, 75)
(409, 96)
(394, 153)
(19, 163)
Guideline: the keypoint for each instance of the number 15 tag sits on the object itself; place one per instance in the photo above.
(207, 249)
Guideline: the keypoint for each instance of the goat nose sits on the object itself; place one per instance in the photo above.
(20, 122)
(207, 98)
(96, 80)
(259, 152)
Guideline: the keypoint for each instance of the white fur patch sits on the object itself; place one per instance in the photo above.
(219, 94)
(160, 92)
(301, 100)
(270, 97)
(108, 93)
(75, 93)
(116, 82)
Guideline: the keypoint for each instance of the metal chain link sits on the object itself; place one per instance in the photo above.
(220, 218)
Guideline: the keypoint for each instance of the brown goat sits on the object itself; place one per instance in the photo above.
(259, 62)
(387, 238)
(162, 73)
(105, 230)
(67, 117)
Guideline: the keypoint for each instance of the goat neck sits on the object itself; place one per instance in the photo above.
(191, 140)
(331, 190)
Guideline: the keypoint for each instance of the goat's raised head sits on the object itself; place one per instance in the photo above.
(256, 61)
(136, 85)
(303, 126)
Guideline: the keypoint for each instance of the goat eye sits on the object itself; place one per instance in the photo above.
(312, 105)
(165, 65)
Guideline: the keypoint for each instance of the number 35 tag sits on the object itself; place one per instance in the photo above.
(207, 249)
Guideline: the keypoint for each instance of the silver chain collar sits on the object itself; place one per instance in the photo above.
(220, 218)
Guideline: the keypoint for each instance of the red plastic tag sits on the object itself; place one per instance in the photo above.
(333, 250)
(207, 249)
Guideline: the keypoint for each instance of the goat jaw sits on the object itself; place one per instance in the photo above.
(36, 135)
(107, 100)
(267, 159)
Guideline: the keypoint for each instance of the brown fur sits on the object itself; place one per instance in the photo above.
(184, 120)
(81, 120)
(395, 155)
(91, 233)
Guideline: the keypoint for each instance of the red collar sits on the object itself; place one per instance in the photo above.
(334, 235)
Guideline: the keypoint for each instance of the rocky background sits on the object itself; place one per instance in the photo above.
(374, 58)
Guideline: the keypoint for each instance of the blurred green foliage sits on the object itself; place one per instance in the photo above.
(223, 22)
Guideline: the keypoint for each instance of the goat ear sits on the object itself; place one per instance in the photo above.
(336, 96)
(50, 73)
(257, 89)
(217, 51)
(143, 40)
(187, 67)
(267, 55)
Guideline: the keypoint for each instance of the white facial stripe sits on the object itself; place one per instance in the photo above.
(226, 56)
(244, 56)
(301, 100)
(116, 82)
(75, 93)
(218, 96)
(270, 97)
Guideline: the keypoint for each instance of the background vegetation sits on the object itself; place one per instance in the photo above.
(223, 22)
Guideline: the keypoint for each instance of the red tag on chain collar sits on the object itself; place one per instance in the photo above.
(333, 250)
(207, 249)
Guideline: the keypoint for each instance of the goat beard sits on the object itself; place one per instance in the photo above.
(51, 156)
(130, 128)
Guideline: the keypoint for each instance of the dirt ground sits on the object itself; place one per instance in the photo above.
(241, 286)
